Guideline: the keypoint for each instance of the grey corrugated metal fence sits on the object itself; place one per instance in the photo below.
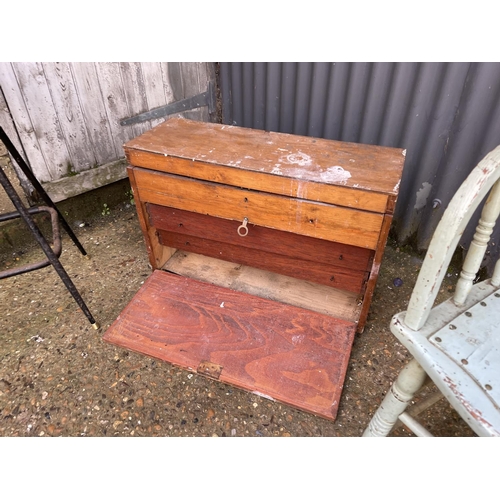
(446, 115)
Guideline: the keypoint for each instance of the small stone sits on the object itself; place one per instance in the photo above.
(397, 282)
(117, 424)
(124, 415)
(210, 413)
(139, 402)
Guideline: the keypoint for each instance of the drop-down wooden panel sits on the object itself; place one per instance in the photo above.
(278, 351)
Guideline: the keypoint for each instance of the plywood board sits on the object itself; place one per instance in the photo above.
(284, 289)
(274, 350)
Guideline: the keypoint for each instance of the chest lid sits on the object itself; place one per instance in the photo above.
(356, 175)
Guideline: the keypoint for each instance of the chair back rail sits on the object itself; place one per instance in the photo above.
(478, 245)
(448, 233)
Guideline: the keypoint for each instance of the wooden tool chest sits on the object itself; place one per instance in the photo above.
(265, 248)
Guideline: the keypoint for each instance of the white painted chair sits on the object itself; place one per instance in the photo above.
(456, 343)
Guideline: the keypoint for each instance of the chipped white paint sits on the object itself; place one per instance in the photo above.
(298, 158)
(297, 339)
(454, 341)
(353, 161)
(302, 190)
(335, 174)
(404, 152)
(249, 157)
(257, 393)
(396, 187)
(422, 195)
(376, 269)
(221, 304)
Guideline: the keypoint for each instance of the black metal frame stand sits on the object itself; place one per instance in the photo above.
(56, 216)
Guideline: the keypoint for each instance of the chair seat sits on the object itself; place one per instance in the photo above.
(459, 348)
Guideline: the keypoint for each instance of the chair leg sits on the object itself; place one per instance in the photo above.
(408, 383)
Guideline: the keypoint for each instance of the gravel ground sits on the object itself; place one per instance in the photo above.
(58, 378)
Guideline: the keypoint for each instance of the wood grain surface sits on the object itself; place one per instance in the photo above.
(370, 168)
(318, 220)
(312, 296)
(263, 181)
(259, 238)
(281, 352)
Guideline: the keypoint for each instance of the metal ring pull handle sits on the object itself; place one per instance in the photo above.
(243, 229)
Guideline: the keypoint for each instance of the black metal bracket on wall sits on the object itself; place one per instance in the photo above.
(207, 98)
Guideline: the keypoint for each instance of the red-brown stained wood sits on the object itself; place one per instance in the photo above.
(365, 167)
(286, 353)
(308, 270)
(372, 281)
(260, 238)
